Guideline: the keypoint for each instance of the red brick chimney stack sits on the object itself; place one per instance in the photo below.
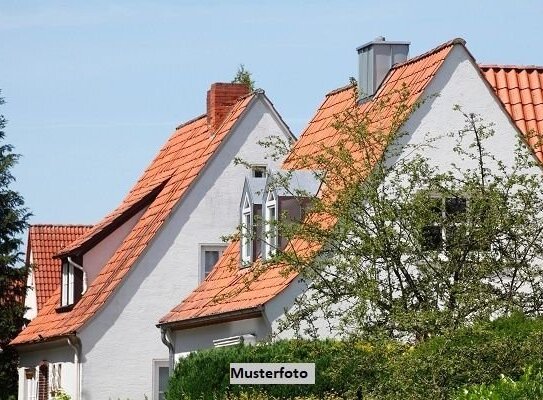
(221, 97)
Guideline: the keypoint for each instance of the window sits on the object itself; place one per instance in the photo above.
(246, 230)
(447, 227)
(259, 171)
(270, 227)
(30, 385)
(209, 255)
(161, 375)
(72, 283)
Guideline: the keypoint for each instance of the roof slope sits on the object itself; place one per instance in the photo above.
(521, 91)
(175, 167)
(228, 288)
(44, 241)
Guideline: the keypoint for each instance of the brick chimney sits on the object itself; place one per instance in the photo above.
(220, 99)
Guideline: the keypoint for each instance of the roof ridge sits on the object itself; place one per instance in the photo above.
(510, 66)
(430, 52)
(190, 121)
(340, 89)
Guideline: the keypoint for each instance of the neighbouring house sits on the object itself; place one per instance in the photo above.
(235, 303)
(44, 278)
(95, 338)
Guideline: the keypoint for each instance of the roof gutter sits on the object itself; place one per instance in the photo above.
(253, 312)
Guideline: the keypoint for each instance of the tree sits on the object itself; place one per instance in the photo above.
(13, 221)
(244, 76)
(401, 248)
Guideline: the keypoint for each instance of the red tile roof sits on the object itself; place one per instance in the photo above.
(44, 241)
(520, 88)
(163, 183)
(228, 288)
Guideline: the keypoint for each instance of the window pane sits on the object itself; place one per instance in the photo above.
(163, 376)
(210, 259)
(431, 237)
(455, 205)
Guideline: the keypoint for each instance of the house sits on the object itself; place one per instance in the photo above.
(44, 241)
(95, 337)
(237, 303)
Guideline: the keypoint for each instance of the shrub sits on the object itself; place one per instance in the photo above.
(436, 368)
(529, 387)
(205, 375)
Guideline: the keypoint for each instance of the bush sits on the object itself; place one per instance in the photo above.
(205, 375)
(529, 387)
(434, 369)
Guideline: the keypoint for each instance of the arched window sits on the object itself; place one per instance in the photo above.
(270, 224)
(246, 230)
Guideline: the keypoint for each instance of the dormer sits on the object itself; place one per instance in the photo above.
(250, 212)
(286, 195)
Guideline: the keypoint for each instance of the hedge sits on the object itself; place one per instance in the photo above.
(384, 370)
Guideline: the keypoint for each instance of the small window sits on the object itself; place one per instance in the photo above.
(209, 256)
(161, 375)
(246, 230)
(71, 283)
(270, 227)
(435, 235)
(259, 171)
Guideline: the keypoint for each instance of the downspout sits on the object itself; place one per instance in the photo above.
(84, 273)
(75, 344)
(165, 335)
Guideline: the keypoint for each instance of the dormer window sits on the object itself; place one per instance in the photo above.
(71, 282)
(270, 224)
(246, 230)
(259, 171)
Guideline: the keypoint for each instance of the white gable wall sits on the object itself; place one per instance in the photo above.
(121, 342)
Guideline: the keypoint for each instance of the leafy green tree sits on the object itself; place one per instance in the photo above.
(244, 76)
(13, 221)
(401, 248)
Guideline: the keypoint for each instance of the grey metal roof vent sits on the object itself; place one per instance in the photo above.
(375, 59)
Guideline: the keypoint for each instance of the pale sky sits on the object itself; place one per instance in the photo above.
(94, 88)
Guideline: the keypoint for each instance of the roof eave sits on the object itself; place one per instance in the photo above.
(230, 316)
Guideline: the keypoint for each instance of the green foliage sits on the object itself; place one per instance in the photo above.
(437, 367)
(13, 221)
(244, 76)
(205, 375)
(528, 387)
(62, 395)
(383, 370)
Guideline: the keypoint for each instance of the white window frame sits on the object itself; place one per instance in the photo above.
(67, 288)
(246, 224)
(220, 247)
(157, 364)
(30, 385)
(270, 227)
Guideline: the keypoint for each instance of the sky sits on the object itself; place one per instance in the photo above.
(93, 89)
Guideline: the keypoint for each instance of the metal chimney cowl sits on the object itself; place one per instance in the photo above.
(375, 59)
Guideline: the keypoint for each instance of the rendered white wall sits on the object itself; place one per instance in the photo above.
(202, 338)
(98, 256)
(120, 343)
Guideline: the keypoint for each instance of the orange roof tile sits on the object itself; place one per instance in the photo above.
(44, 241)
(228, 288)
(520, 88)
(164, 183)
